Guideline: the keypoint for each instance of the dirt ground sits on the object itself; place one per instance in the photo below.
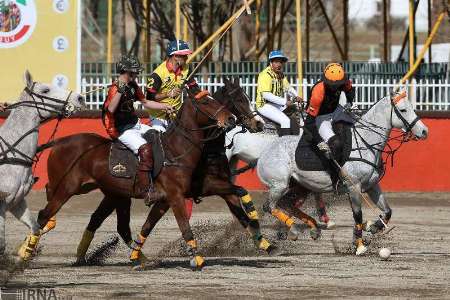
(418, 267)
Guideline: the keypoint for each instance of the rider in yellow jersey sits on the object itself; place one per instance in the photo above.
(165, 83)
(273, 92)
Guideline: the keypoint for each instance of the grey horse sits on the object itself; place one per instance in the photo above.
(277, 165)
(38, 103)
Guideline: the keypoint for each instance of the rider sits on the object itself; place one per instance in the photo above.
(322, 105)
(270, 95)
(166, 82)
(121, 121)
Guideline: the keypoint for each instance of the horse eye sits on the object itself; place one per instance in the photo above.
(45, 90)
(403, 110)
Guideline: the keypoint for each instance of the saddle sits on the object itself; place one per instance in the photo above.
(309, 158)
(123, 163)
(274, 128)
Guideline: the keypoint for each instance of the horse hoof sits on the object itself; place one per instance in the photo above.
(273, 250)
(81, 261)
(331, 225)
(137, 265)
(361, 250)
(294, 232)
(315, 233)
(197, 263)
(51, 224)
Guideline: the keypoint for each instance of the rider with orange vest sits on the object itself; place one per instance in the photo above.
(122, 122)
(322, 106)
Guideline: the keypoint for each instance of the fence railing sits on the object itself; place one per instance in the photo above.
(311, 70)
(424, 94)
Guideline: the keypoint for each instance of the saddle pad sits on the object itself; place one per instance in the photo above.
(123, 163)
(309, 158)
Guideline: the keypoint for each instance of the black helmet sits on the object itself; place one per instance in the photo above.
(128, 63)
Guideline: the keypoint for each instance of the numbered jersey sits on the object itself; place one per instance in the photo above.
(163, 79)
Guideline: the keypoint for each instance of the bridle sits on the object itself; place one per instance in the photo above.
(66, 110)
(243, 94)
(41, 106)
(394, 101)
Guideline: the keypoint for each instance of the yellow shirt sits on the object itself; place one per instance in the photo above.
(269, 81)
(162, 80)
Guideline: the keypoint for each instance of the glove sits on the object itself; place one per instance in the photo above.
(122, 87)
(348, 107)
(325, 149)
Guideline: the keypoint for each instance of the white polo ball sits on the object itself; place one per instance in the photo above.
(385, 253)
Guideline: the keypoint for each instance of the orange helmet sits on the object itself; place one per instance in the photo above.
(334, 75)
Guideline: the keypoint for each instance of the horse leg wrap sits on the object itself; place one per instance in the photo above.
(196, 262)
(249, 207)
(136, 247)
(28, 246)
(263, 244)
(282, 217)
(84, 244)
(51, 224)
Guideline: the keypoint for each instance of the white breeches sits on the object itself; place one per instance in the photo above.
(325, 126)
(159, 124)
(132, 138)
(274, 113)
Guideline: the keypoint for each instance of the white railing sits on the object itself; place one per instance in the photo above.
(424, 94)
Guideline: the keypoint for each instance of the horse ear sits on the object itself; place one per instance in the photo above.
(28, 79)
(226, 81)
(236, 80)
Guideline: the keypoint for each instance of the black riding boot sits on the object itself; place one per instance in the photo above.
(336, 154)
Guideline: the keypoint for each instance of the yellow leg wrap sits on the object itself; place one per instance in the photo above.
(263, 244)
(192, 244)
(246, 199)
(26, 250)
(359, 226)
(84, 244)
(51, 224)
(359, 242)
(199, 261)
(253, 215)
(282, 217)
(137, 246)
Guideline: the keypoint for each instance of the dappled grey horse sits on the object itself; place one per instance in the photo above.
(277, 165)
(37, 104)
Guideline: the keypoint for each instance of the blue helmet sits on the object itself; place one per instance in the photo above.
(178, 47)
(277, 54)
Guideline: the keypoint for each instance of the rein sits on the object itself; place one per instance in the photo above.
(369, 126)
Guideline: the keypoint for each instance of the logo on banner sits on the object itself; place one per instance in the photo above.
(17, 22)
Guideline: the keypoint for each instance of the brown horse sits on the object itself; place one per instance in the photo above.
(211, 177)
(78, 164)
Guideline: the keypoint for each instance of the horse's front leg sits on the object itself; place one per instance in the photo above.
(377, 197)
(355, 203)
(158, 210)
(179, 210)
(23, 214)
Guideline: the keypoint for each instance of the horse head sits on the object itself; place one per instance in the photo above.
(404, 117)
(238, 102)
(208, 110)
(49, 99)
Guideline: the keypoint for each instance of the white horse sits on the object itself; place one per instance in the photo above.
(242, 145)
(18, 144)
(277, 165)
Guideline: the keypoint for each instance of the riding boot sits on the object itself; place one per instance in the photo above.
(145, 182)
(284, 131)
